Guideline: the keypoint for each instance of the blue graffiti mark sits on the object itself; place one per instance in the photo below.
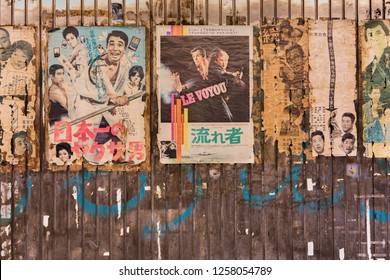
(21, 205)
(104, 210)
(177, 221)
(375, 215)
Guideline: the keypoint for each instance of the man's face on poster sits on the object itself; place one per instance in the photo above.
(348, 146)
(115, 49)
(318, 144)
(4, 42)
(197, 57)
(222, 60)
(346, 124)
(20, 146)
(376, 37)
(58, 77)
(295, 59)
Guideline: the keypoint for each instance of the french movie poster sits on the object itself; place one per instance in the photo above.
(18, 134)
(332, 48)
(96, 95)
(285, 83)
(375, 90)
(205, 94)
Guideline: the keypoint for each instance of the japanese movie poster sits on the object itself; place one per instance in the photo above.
(18, 135)
(332, 48)
(205, 94)
(285, 83)
(375, 90)
(96, 95)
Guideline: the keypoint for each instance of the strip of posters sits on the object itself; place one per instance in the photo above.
(375, 55)
(96, 95)
(205, 94)
(285, 83)
(18, 138)
(332, 48)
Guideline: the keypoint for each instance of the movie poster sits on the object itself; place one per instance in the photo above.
(332, 48)
(96, 95)
(205, 94)
(285, 83)
(375, 75)
(18, 136)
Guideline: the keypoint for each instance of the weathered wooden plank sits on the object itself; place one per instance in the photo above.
(47, 212)
(228, 214)
(60, 230)
(118, 213)
(187, 196)
(339, 205)
(243, 218)
(210, 214)
(326, 215)
(144, 208)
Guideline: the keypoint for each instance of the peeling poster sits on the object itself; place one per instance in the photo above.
(96, 95)
(285, 83)
(18, 135)
(375, 75)
(332, 48)
(205, 94)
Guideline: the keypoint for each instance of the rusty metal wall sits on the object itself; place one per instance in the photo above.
(203, 211)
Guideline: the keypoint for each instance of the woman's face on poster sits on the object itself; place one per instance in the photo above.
(63, 155)
(135, 79)
(71, 40)
(18, 59)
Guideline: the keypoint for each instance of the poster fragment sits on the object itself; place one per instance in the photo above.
(332, 48)
(18, 135)
(96, 95)
(205, 94)
(375, 55)
(285, 83)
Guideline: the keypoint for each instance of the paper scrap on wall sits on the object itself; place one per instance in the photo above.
(332, 48)
(205, 90)
(96, 92)
(18, 137)
(285, 83)
(375, 78)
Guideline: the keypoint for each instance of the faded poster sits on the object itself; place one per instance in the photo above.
(18, 138)
(95, 95)
(205, 90)
(375, 53)
(285, 83)
(332, 48)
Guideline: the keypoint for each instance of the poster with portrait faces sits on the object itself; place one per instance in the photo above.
(285, 83)
(96, 90)
(205, 94)
(375, 88)
(18, 134)
(332, 48)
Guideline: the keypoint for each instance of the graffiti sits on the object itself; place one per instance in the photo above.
(375, 215)
(104, 210)
(178, 220)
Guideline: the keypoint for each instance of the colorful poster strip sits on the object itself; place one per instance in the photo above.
(332, 48)
(18, 135)
(375, 57)
(205, 94)
(96, 95)
(285, 83)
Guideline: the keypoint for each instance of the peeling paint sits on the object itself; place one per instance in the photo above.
(310, 184)
(310, 248)
(45, 220)
(119, 202)
(341, 254)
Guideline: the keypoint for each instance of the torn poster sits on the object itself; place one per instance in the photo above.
(205, 94)
(332, 48)
(18, 137)
(96, 95)
(285, 83)
(375, 55)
